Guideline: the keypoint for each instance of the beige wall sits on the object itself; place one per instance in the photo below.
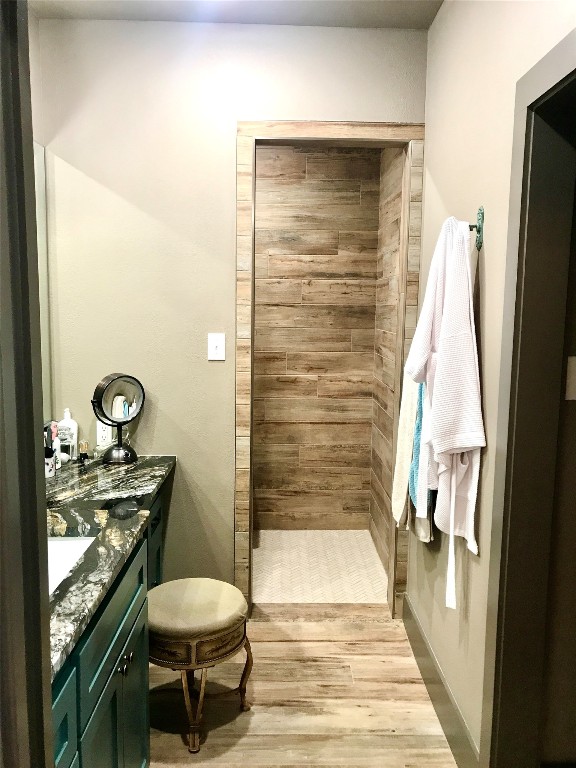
(476, 53)
(139, 121)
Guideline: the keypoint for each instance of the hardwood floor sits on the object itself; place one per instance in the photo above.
(332, 685)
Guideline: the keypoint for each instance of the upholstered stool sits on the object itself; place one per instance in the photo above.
(194, 625)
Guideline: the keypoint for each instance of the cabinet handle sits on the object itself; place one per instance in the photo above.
(128, 658)
(123, 670)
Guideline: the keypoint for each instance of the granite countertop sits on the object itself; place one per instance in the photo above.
(76, 500)
(72, 484)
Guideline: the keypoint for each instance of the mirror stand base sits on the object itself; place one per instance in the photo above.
(119, 454)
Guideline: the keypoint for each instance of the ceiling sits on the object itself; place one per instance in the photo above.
(399, 14)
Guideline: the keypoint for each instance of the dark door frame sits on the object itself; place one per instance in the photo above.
(539, 248)
(25, 714)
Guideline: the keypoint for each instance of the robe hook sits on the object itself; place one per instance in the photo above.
(479, 227)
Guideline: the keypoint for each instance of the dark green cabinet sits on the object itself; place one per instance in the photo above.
(100, 697)
(117, 733)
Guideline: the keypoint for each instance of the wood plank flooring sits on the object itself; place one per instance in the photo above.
(332, 685)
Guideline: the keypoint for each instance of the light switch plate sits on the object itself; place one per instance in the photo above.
(216, 346)
(571, 379)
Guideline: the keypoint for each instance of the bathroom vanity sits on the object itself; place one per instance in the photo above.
(105, 534)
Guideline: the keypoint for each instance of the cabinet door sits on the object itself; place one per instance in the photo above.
(117, 734)
(99, 649)
(101, 743)
(64, 722)
(136, 736)
(155, 544)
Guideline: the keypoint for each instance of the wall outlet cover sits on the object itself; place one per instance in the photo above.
(104, 434)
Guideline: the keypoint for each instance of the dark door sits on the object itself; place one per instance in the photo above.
(559, 699)
(25, 712)
(534, 701)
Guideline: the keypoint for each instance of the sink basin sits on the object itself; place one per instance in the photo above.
(63, 554)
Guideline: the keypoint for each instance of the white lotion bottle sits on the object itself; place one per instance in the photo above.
(68, 434)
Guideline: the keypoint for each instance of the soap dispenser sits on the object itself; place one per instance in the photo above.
(68, 434)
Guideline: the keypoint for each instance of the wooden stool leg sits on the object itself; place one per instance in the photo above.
(187, 686)
(194, 720)
(244, 705)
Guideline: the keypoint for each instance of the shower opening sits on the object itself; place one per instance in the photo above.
(329, 305)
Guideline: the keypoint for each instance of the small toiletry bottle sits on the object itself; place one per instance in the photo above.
(56, 445)
(68, 434)
(83, 452)
(49, 468)
(48, 434)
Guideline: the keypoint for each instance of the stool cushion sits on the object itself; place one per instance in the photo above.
(191, 608)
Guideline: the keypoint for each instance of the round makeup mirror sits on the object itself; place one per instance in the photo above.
(118, 400)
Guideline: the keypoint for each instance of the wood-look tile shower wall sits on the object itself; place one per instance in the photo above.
(315, 297)
(397, 284)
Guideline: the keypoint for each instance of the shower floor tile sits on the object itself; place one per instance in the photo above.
(317, 567)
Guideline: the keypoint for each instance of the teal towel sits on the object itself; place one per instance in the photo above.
(413, 481)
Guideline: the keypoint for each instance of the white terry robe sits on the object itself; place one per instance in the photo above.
(444, 355)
